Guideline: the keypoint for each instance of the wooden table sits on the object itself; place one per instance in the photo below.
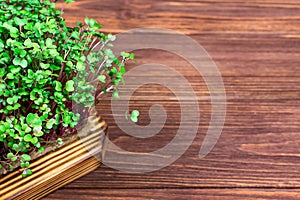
(256, 46)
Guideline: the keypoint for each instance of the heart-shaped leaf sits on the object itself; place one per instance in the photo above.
(33, 120)
(27, 138)
(134, 116)
(70, 86)
(10, 155)
(34, 140)
(20, 62)
(58, 86)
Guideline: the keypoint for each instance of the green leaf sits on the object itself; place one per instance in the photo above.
(125, 54)
(29, 172)
(28, 43)
(28, 26)
(15, 147)
(2, 88)
(12, 100)
(50, 123)
(48, 42)
(83, 58)
(80, 66)
(134, 116)
(13, 159)
(22, 53)
(2, 128)
(111, 37)
(59, 141)
(27, 129)
(33, 95)
(131, 56)
(102, 78)
(58, 86)
(10, 155)
(69, 1)
(14, 32)
(24, 63)
(70, 86)
(17, 106)
(44, 66)
(34, 140)
(10, 108)
(17, 61)
(30, 118)
(45, 116)
(87, 21)
(115, 94)
(25, 157)
(21, 62)
(69, 64)
(19, 22)
(79, 24)
(134, 119)
(59, 96)
(75, 35)
(33, 120)
(37, 122)
(37, 128)
(41, 149)
(135, 113)
(122, 70)
(15, 70)
(10, 76)
(22, 165)
(27, 138)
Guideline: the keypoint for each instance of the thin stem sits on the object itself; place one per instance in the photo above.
(107, 90)
(61, 71)
(98, 71)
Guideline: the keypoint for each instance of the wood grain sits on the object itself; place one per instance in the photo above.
(256, 46)
(193, 17)
(54, 169)
(178, 194)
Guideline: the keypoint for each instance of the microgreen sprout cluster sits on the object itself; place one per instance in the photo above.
(49, 77)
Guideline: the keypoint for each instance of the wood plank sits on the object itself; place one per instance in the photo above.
(193, 17)
(255, 45)
(260, 137)
(54, 170)
(177, 194)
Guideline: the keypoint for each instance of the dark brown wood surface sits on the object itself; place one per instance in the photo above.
(256, 46)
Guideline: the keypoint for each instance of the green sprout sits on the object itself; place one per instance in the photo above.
(47, 69)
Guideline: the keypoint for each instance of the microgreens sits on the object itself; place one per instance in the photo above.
(45, 66)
